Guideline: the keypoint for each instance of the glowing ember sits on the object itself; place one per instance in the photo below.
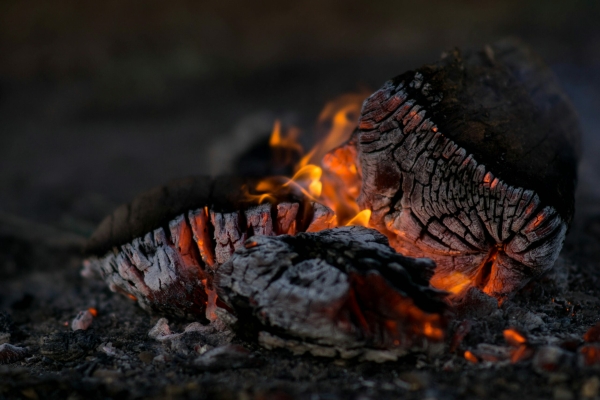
(455, 282)
(284, 146)
(471, 357)
(211, 302)
(593, 334)
(514, 338)
(521, 353)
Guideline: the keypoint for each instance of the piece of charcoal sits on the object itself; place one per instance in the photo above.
(471, 162)
(10, 354)
(338, 292)
(68, 346)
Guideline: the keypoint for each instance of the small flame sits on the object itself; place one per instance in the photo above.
(93, 311)
(285, 147)
(336, 183)
(361, 219)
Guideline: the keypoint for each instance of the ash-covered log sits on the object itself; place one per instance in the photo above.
(338, 292)
(161, 249)
(471, 162)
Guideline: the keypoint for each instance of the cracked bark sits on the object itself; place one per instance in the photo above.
(472, 162)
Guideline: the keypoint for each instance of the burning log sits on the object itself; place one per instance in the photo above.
(471, 162)
(162, 248)
(341, 292)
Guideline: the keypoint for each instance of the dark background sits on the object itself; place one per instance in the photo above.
(100, 100)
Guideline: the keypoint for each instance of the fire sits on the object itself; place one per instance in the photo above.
(321, 175)
(469, 356)
(455, 282)
(361, 219)
(285, 146)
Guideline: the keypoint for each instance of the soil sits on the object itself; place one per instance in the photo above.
(116, 357)
(74, 146)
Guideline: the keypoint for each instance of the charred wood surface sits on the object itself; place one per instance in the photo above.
(472, 162)
(339, 292)
(162, 248)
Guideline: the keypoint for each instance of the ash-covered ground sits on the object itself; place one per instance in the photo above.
(119, 356)
(92, 115)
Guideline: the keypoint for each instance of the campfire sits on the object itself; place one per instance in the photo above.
(450, 186)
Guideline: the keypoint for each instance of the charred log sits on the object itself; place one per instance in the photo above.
(339, 292)
(471, 162)
(161, 249)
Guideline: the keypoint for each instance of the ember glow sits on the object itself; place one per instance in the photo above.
(514, 337)
(471, 357)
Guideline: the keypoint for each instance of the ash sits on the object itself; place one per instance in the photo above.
(127, 353)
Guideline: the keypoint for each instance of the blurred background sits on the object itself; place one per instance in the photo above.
(101, 100)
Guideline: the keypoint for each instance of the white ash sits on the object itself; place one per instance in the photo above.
(229, 356)
(82, 321)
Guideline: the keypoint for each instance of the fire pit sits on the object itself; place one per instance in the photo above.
(425, 230)
(470, 162)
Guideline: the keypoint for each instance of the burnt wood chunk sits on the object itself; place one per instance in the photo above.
(286, 218)
(229, 234)
(339, 292)
(472, 162)
(169, 269)
(323, 218)
(259, 220)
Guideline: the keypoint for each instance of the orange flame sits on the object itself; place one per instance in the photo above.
(285, 147)
(361, 219)
(334, 183)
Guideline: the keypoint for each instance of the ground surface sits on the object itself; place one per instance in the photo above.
(89, 119)
(117, 358)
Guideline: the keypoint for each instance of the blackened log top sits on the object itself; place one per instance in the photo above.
(156, 207)
(506, 108)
